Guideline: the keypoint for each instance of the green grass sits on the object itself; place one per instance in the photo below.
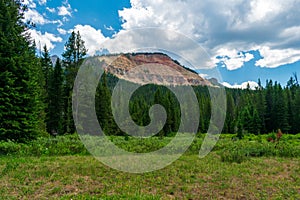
(61, 168)
(83, 177)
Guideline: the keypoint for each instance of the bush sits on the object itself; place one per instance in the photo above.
(61, 145)
(8, 148)
(233, 156)
(229, 150)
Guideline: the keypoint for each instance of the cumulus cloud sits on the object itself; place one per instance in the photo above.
(62, 31)
(52, 10)
(42, 39)
(42, 2)
(232, 27)
(253, 85)
(276, 57)
(29, 3)
(65, 10)
(93, 38)
(109, 28)
(35, 17)
(232, 59)
(182, 48)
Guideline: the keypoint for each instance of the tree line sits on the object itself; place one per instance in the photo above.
(36, 97)
(263, 110)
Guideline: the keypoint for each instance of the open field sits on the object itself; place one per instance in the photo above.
(83, 177)
(257, 176)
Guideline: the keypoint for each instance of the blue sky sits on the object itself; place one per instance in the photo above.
(245, 40)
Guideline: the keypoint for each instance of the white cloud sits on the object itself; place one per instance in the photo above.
(253, 85)
(262, 9)
(62, 31)
(232, 59)
(65, 19)
(44, 39)
(233, 25)
(35, 17)
(59, 22)
(42, 2)
(29, 3)
(52, 10)
(65, 10)
(276, 57)
(204, 75)
(93, 38)
(109, 28)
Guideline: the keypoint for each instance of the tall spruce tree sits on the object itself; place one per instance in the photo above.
(103, 108)
(20, 89)
(55, 95)
(296, 111)
(230, 115)
(73, 57)
(280, 110)
(47, 69)
(260, 105)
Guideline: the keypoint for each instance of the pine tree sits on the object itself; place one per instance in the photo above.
(158, 99)
(55, 111)
(103, 108)
(280, 109)
(296, 109)
(260, 105)
(47, 70)
(201, 111)
(270, 96)
(47, 67)
(229, 122)
(73, 57)
(291, 93)
(21, 117)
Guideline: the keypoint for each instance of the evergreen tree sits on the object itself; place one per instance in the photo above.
(230, 116)
(21, 107)
(270, 96)
(103, 108)
(201, 127)
(169, 108)
(47, 70)
(73, 57)
(55, 113)
(280, 109)
(158, 99)
(47, 67)
(260, 105)
(296, 109)
(291, 93)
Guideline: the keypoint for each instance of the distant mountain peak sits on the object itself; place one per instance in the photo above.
(54, 59)
(156, 68)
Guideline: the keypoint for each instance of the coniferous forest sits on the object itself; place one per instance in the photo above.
(36, 95)
(43, 157)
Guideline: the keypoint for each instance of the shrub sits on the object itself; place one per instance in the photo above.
(9, 147)
(233, 156)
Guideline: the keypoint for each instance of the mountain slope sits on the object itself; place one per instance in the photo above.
(156, 68)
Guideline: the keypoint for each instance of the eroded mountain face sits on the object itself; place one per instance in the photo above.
(156, 68)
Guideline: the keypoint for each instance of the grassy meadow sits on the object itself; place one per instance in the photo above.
(61, 168)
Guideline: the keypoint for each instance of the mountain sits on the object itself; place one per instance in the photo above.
(156, 68)
(215, 82)
(53, 59)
